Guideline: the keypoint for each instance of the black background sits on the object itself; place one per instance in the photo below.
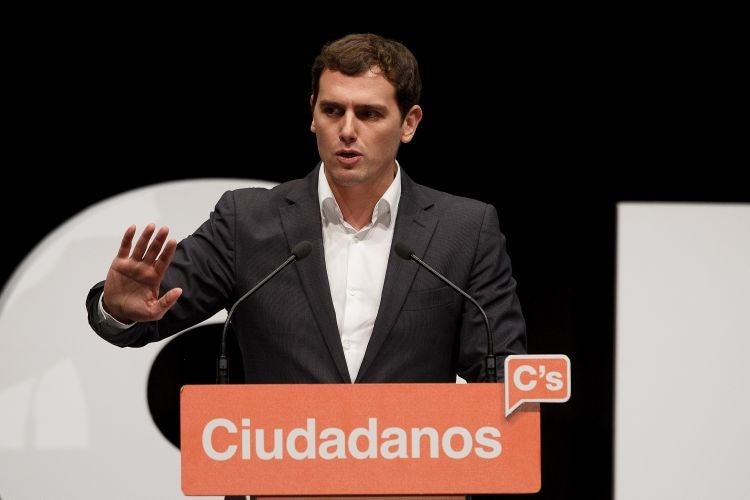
(552, 123)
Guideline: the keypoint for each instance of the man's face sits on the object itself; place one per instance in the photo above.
(358, 128)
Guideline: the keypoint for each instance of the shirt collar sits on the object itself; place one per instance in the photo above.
(385, 210)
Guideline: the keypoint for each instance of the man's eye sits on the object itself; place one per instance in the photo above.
(370, 114)
(331, 111)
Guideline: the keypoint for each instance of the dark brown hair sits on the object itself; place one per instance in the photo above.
(354, 54)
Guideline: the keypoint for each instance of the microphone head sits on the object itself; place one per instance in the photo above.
(302, 249)
(403, 250)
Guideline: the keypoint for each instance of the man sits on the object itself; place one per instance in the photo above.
(351, 311)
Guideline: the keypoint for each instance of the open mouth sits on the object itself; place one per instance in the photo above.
(348, 154)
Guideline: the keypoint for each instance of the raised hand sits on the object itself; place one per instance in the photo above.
(131, 291)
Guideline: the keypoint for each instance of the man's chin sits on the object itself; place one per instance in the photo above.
(346, 176)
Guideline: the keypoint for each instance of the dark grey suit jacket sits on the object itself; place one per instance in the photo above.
(287, 331)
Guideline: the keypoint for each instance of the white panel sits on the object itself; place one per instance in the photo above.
(682, 409)
(61, 420)
(74, 418)
(15, 402)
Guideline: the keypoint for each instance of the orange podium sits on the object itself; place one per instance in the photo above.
(357, 439)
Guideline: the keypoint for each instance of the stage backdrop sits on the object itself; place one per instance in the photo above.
(577, 117)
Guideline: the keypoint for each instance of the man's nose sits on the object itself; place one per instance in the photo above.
(348, 132)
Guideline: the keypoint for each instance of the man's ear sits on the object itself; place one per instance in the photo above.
(312, 108)
(409, 127)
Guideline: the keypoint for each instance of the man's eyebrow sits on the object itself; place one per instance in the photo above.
(372, 107)
(359, 107)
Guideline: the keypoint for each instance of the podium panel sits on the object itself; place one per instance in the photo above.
(356, 439)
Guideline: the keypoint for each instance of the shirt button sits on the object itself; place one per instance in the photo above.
(351, 293)
(347, 345)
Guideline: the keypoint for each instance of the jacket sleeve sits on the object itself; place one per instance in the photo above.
(491, 283)
(203, 266)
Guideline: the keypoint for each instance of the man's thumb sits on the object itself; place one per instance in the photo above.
(168, 299)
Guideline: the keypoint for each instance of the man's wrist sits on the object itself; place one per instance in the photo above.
(110, 320)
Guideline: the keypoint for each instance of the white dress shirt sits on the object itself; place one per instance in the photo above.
(356, 261)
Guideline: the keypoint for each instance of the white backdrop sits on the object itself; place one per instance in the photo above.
(682, 407)
(74, 419)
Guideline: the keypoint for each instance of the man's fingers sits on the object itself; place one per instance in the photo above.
(160, 266)
(155, 247)
(168, 299)
(127, 240)
(142, 244)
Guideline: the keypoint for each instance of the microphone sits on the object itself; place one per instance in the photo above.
(490, 361)
(299, 252)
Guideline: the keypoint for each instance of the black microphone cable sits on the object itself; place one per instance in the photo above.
(490, 361)
(299, 252)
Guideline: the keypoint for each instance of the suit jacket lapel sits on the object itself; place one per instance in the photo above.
(301, 221)
(414, 227)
